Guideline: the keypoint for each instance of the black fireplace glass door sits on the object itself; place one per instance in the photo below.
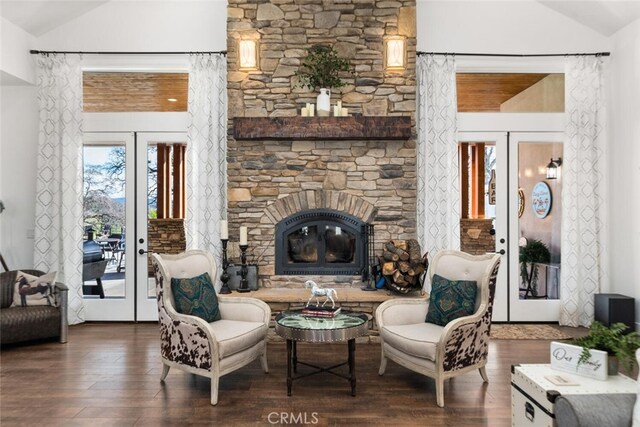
(302, 245)
(320, 241)
(340, 245)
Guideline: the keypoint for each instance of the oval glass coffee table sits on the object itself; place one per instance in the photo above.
(345, 326)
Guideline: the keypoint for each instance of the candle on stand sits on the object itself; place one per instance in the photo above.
(243, 235)
(304, 112)
(224, 229)
(312, 110)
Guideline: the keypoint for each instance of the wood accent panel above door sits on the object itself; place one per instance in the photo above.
(131, 92)
(485, 92)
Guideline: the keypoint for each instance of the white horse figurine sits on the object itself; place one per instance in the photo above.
(317, 291)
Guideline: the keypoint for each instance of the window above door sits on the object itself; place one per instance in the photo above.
(510, 92)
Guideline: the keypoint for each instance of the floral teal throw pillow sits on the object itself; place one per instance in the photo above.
(196, 296)
(450, 299)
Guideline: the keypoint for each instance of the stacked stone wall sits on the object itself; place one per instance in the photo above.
(260, 172)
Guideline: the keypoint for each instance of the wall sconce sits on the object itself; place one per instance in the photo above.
(395, 53)
(552, 168)
(248, 54)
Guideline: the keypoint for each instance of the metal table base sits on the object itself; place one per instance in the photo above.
(292, 366)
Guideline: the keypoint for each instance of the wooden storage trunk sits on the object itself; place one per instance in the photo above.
(533, 396)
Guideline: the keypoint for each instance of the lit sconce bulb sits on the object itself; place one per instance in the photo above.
(395, 54)
(248, 54)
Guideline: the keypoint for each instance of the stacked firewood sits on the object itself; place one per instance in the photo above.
(402, 264)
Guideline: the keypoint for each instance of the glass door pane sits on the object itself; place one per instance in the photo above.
(535, 232)
(483, 188)
(161, 209)
(108, 214)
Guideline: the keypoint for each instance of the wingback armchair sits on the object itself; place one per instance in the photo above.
(208, 349)
(441, 352)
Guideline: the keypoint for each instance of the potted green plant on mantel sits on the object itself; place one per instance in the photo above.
(532, 253)
(321, 69)
(620, 346)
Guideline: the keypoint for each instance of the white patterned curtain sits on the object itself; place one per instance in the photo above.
(58, 225)
(206, 152)
(438, 204)
(583, 191)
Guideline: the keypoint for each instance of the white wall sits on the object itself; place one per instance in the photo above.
(501, 27)
(144, 26)
(15, 59)
(624, 163)
(18, 145)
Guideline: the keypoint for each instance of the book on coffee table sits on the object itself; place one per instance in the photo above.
(316, 311)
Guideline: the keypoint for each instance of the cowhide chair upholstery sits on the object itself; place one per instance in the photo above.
(436, 351)
(208, 349)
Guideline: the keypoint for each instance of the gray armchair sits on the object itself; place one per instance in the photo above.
(31, 323)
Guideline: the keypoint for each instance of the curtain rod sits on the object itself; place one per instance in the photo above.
(516, 55)
(47, 52)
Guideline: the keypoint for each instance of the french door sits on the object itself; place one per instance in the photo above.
(514, 167)
(535, 210)
(494, 151)
(130, 181)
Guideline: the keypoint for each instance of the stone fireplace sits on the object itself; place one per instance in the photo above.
(322, 242)
(282, 166)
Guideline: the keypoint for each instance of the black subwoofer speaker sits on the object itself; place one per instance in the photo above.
(614, 308)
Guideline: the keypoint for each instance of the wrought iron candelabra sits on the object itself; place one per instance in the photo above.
(225, 277)
(244, 283)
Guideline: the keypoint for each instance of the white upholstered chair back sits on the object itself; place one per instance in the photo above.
(455, 265)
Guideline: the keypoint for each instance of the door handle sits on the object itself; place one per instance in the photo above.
(501, 251)
(142, 252)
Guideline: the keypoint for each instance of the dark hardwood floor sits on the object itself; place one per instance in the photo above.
(108, 375)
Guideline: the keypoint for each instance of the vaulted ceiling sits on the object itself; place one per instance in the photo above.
(604, 16)
(37, 17)
(40, 16)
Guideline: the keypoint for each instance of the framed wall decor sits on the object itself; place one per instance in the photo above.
(541, 200)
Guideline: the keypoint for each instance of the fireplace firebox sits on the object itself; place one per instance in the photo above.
(322, 242)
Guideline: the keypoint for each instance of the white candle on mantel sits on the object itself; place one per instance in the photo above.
(243, 235)
(224, 229)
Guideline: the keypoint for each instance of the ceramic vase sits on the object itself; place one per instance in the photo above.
(323, 103)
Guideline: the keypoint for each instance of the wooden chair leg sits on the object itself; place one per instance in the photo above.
(165, 372)
(263, 362)
(214, 390)
(383, 364)
(483, 374)
(440, 392)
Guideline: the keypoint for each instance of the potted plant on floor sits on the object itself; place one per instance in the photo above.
(620, 345)
(321, 69)
(530, 254)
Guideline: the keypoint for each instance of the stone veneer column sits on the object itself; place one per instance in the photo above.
(382, 173)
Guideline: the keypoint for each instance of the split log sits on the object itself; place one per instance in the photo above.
(404, 266)
(398, 276)
(389, 268)
(414, 250)
(400, 244)
(390, 256)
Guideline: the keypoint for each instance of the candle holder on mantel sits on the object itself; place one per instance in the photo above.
(244, 283)
(225, 277)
